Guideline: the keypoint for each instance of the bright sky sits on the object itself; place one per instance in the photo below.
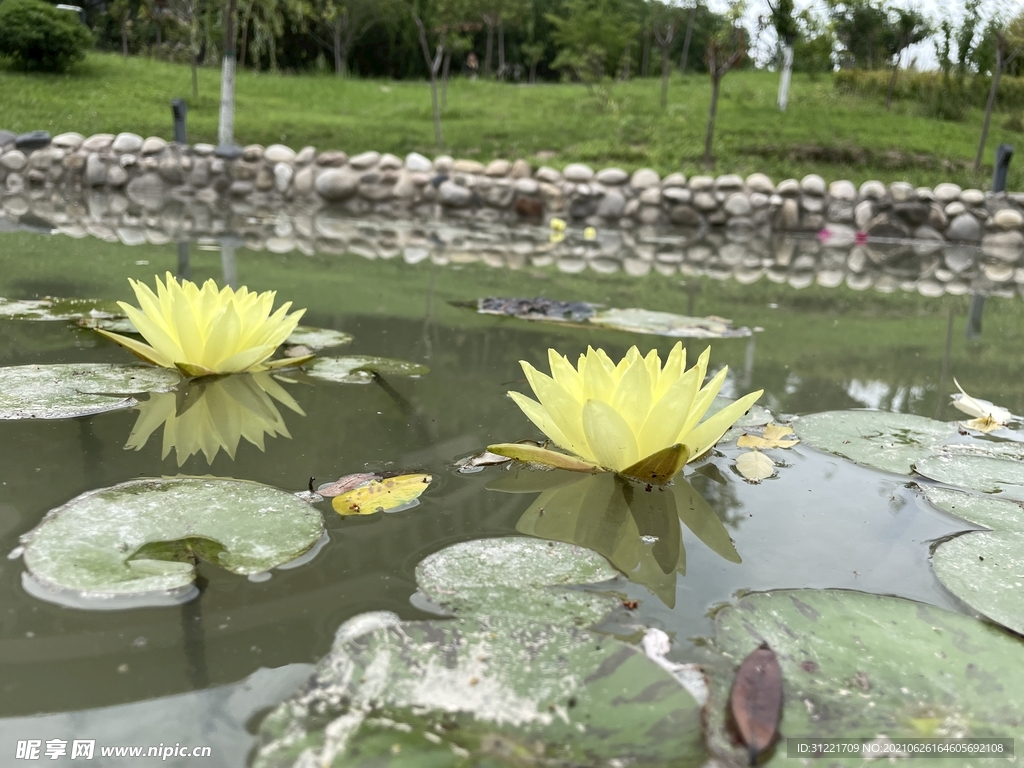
(924, 54)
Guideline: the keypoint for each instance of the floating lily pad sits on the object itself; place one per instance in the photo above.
(360, 369)
(317, 338)
(498, 687)
(514, 577)
(112, 324)
(668, 324)
(985, 569)
(856, 665)
(892, 442)
(143, 537)
(988, 474)
(65, 391)
(536, 309)
(58, 309)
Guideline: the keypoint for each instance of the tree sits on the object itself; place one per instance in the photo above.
(690, 18)
(786, 29)
(812, 50)
(532, 53)
(1007, 50)
(665, 22)
(864, 30)
(123, 14)
(226, 124)
(592, 38)
(187, 14)
(725, 50)
(447, 23)
(911, 27)
(495, 15)
(348, 20)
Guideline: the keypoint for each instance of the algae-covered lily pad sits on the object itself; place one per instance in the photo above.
(64, 391)
(360, 369)
(857, 666)
(58, 309)
(143, 537)
(892, 442)
(668, 324)
(985, 473)
(985, 569)
(515, 680)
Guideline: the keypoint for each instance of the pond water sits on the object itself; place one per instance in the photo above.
(200, 672)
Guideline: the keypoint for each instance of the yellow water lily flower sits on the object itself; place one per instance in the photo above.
(635, 417)
(206, 331)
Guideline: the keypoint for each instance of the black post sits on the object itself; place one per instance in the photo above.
(179, 109)
(1004, 153)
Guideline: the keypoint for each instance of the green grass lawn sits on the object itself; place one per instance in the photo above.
(836, 135)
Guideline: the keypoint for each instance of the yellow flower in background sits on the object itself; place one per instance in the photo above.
(635, 417)
(206, 331)
(214, 415)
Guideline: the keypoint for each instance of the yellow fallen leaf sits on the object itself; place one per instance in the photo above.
(382, 495)
(755, 466)
(771, 438)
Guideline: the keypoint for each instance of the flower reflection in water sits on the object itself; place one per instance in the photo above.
(212, 414)
(638, 530)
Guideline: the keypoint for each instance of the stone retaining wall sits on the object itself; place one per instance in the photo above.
(259, 181)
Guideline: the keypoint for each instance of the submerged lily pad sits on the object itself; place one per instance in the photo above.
(58, 309)
(988, 474)
(856, 665)
(143, 537)
(511, 682)
(668, 324)
(64, 391)
(360, 369)
(317, 338)
(985, 569)
(892, 442)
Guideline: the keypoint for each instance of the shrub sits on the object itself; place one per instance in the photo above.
(36, 35)
(939, 95)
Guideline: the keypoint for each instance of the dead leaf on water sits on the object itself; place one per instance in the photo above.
(755, 466)
(478, 461)
(756, 700)
(382, 494)
(345, 484)
(772, 437)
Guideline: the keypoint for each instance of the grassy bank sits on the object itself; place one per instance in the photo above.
(834, 134)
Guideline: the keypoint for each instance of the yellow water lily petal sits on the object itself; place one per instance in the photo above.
(659, 467)
(633, 394)
(143, 351)
(543, 420)
(534, 454)
(701, 439)
(382, 495)
(609, 437)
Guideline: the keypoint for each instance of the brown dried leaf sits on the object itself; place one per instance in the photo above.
(345, 484)
(756, 700)
(771, 438)
(755, 466)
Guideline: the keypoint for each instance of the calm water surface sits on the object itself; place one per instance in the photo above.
(242, 646)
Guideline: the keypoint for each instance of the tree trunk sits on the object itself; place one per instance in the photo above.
(488, 54)
(645, 58)
(159, 35)
(501, 49)
(124, 37)
(533, 73)
(787, 74)
(245, 38)
(445, 70)
(664, 76)
(195, 75)
(433, 65)
(712, 111)
(226, 128)
(686, 41)
(892, 81)
(339, 64)
(988, 107)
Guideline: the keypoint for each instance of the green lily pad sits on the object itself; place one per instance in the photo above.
(513, 681)
(667, 324)
(141, 539)
(513, 577)
(892, 442)
(985, 569)
(988, 474)
(58, 309)
(65, 391)
(360, 369)
(317, 338)
(856, 666)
